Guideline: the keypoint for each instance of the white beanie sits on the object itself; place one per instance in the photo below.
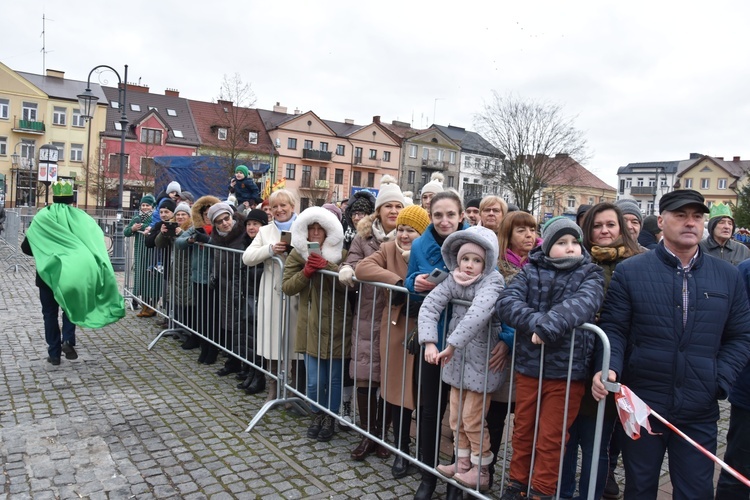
(217, 209)
(389, 192)
(174, 187)
(435, 185)
(408, 198)
(182, 207)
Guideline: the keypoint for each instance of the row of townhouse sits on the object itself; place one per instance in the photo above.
(717, 179)
(323, 160)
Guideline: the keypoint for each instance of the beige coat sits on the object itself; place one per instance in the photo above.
(387, 265)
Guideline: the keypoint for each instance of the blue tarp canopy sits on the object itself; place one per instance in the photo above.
(201, 175)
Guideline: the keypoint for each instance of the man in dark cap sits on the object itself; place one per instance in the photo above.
(678, 322)
(472, 211)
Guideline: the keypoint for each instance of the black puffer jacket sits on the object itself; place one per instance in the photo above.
(679, 371)
(551, 303)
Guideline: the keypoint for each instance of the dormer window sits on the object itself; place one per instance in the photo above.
(222, 134)
(252, 137)
(135, 107)
(150, 136)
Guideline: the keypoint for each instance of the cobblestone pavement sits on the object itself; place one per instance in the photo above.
(125, 422)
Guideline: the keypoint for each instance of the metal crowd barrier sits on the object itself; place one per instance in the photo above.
(10, 242)
(227, 315)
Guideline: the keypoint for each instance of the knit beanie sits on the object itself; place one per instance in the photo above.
(187, 196)
(415, 217)
(218, 209)
(333, 209)
(630, 207)
(257, 215)
(182, 207)
(434, 186)
(148, 198)
(168, 203)
(243, 169)
(408, 198)
(389, 192)
(362, 203)
(471, 247)
(174, 187)
(556, 228)
(651, 225)
(474, 203)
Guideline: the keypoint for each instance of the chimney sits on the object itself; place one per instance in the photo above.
(278, 108)
(376, 119)
(400, 124)
(349, 121)
(695, 156)
(172, 92)
(561, 155)
(736, 158)
(55, 73)
(134, 87)
(720, 158)
(297, 111)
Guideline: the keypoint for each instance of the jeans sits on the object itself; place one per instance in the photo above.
(324, 382)
(50, 311)
(737, 456)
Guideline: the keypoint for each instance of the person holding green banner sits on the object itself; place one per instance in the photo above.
(73, 272)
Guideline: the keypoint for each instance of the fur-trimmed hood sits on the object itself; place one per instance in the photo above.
(482, 236)
(201, 204)
(364, 227)
(334, 242)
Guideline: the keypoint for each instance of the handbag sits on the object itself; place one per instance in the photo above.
(412, 342)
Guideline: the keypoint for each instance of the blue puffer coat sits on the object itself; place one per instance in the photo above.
(551, 303)
(680, 372)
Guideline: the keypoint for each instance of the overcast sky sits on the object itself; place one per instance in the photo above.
(647, 80)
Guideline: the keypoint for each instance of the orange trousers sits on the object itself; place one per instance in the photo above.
(550, 433)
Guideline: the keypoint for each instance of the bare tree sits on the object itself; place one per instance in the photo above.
(529, 134)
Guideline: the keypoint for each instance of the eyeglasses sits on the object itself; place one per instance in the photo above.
(222, 220)
(358, 214)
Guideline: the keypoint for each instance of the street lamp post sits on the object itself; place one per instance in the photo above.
(87, 101)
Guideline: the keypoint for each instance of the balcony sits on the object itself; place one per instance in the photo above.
(316, 155)
(307, 182)
(28, 127)
(321, 184)
(643, 190)
(435, 164)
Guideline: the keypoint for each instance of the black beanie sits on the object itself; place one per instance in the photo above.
(257, 215)
(169, 204)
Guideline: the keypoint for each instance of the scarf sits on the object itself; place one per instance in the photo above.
(285, 226)
(464, 279)
(145, 214)
(222, 233)
(515, 259)
(379, 233)
(438, 239)
(404, 253)
(609, 253)
(564, 263)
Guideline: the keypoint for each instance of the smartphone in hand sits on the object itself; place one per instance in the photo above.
(436, 276)
(313, 247)
(286, 237)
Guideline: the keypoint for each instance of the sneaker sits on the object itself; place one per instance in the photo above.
(514, 491)
(315, 426)
(69, 351)
(327, 429)
(54, 361)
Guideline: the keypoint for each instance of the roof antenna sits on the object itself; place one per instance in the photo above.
(44, 45)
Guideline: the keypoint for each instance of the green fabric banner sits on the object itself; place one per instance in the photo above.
(72, 260)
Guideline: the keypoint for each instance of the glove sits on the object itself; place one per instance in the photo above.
(201, 237)
(314, 262)
(346, 275)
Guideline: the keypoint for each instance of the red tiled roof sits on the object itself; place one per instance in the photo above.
(209, 117)
(572, 173)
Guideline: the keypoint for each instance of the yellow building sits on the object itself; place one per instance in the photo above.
(37, 110)
(718, 180)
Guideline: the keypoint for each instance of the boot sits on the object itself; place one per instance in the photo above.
(453, 492)
(247, 381)
(480, 473)
(327, 429)
(192, 342)
(382, 422)
(146, 312)
(213, 354)
(462, 465)
(366, 415)
(514, 491)
(205, 347)
(315, 425)
(258, 384)
(426, 487)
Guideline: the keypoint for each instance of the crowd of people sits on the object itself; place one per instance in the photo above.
(673, 304)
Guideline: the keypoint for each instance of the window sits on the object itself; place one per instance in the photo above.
(412, 150)
(4, 108)
(591, 201)
(688, 183)
(722, 184)
(323, 173)
(78, 119)
(650, 207)
(252, 137)
(639, 182)
(357, 155)
(339, 176)
(147, 166)
(60, 150)
(114, 163)
(452, 158)
(425, 154)
(222, 134)
(308, 144)
(477, 162)
(304, 203)
(572, 202)
(628, 183)
(440, 154)
(178, 134)
(114, 104)
(356, 178)
(306, 175)
(150, 136)
(386, 156)
(549, 200)
(59, 115)
(76, 152)
(651, 182)
(411, 176)
(467, 161)
(323, 146)
(664, 182)
(171, 112)
(705, 183)
(373, 154)
(340, 150)
(118, 126)
(3, 146)
(450, 181)
(29, 111)
(370, 179)
(291, 143)
(291, 171)
(135, 107)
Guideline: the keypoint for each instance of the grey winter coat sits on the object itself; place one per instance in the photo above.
(470, 330)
